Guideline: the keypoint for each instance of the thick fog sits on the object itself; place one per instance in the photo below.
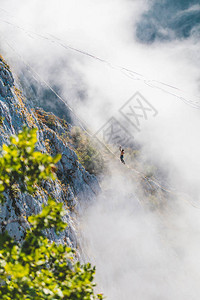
(83, 48)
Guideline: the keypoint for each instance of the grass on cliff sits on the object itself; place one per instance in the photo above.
(85, 148)
(87, 152)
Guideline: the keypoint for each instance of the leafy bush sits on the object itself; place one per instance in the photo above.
(21, 164)
(37, 268)
(87, 152)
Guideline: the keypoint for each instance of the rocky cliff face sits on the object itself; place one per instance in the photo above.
(74, 185)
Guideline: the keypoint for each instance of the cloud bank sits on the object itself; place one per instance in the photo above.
(138, 254)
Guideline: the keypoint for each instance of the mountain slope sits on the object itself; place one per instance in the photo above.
(74, 184)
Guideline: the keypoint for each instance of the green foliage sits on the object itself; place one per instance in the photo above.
(87, 152)
(49, 217)
(37, 268)
(21, 164)
(1, 120)
(49, 119)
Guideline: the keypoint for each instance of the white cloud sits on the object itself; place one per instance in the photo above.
(128, 245)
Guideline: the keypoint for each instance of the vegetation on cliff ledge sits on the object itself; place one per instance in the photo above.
(37, 268)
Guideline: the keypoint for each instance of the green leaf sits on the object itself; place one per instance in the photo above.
(37, 268)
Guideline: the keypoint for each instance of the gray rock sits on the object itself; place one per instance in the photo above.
(74, 184)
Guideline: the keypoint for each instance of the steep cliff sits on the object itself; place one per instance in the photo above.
(74, 184)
